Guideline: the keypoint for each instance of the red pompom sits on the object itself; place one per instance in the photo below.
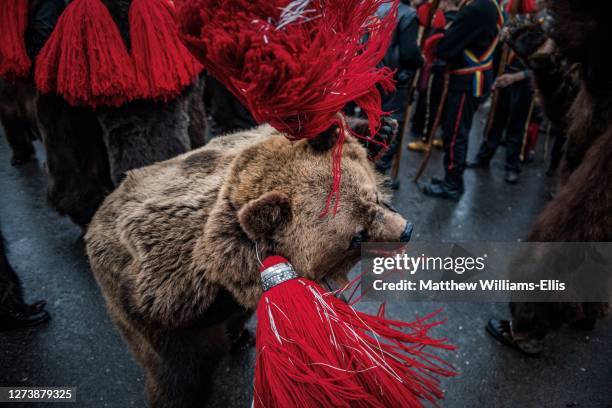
(14, 60)
(295, 64)
(85, 59)
(163, 64)
(314, 350)
(439, 21)
(524, 7)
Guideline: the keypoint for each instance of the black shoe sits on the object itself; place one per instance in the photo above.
(21, 320)
(501, 330)
(512, 177)
(477, 164)
(436, 180)
(442, 191)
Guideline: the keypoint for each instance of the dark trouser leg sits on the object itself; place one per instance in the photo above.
(459, 113)
(435, 96)
(520, 104)
(11, 293)
(491, 140)
(420, 113)
(14, 312)
(77, 162)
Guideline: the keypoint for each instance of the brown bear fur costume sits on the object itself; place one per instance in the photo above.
(575, 85)
(174, 247)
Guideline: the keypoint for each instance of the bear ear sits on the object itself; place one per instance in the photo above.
(261, 217)
(325, 140)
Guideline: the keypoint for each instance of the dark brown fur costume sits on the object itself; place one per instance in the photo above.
(88, 153)
(173, 248)
(576, 88)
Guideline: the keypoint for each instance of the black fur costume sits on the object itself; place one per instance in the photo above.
(576, 89)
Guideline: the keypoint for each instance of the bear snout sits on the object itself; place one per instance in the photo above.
(407, 233)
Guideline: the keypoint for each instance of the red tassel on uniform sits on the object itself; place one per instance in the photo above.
(295, 64)
(439, 20)
(14, 60)
(163, 64)
(85, 59)
(314, 350)
(525, 6)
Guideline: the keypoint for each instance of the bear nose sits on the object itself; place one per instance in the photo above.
(407, 233)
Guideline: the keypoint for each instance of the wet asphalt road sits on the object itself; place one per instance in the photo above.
(81, 348)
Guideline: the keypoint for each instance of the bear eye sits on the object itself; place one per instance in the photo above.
(358, 238)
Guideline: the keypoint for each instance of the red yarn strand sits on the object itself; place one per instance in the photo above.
(85, 59)
(315, 350)
(14, 60)
(163, 64)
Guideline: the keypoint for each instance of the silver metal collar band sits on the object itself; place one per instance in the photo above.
(277, 274)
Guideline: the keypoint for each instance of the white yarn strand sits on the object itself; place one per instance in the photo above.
(294, 12)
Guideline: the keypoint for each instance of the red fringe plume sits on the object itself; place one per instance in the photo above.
(164, 66)
(14, 60)
(85, 59)
(439, 20)
(525, 6)
(295, 64)
(314, 350)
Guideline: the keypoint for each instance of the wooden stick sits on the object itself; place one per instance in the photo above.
(408, 114)
(526, 129)
(433, 130)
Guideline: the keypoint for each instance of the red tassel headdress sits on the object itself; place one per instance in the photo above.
(85, 59)
(524, 6)
(314, 350)
(163, 64)
(295, 64)
(14, 60)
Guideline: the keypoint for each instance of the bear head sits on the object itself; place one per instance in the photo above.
(273, 200)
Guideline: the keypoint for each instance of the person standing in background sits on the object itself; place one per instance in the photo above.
(467, 47)
(431, 85)
(403, 56)
(511, 117)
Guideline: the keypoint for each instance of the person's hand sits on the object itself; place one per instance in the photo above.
(508, 79)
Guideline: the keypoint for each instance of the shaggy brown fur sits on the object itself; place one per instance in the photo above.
(576, 88)
(173, 248)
